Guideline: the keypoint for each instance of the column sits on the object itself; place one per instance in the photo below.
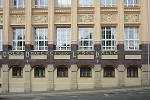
(97, 20)
(144, 75)
(120, 28)
(74, 27)
(6, 26)
(121, 79)
(27, 84)
(97, 82)
(50, 85)
(74, 77)
(51, 37)
(28, 25)
(5, 79)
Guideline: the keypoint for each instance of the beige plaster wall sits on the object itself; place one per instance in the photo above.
(1, 75)
(39, 83)
(16, 57)
(85, 82)
(16, 84)
(62, 83)
(133, 81)
(109, 81)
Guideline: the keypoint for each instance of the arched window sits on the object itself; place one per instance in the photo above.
(132, 71)
(85, 72)
(109, 71)
(16, 71)
(39, 71)
(62, 71)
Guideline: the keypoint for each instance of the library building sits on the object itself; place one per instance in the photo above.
(48, 45)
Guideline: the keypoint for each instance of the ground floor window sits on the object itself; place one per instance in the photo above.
(17, 71)
(85, 72)
(39, 71)
(62, 71)
(132, 71)
(109, 71)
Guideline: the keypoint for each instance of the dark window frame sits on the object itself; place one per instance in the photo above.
(17, 71)
(39, 71)
(132, 71)
(109, 71)
(85, 71)
(62, 71)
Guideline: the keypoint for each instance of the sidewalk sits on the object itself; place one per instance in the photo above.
(75, 92)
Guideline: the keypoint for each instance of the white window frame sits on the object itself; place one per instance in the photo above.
(86, 40)
(63, 3)
(104, 3)
(18, 5)
(37, 40)
(40, 5)
(85, 3)
(1, 3)
(133, 4)
(106, 40)
(1, 39)
(128, 39)
(63, 36)
(16, 33)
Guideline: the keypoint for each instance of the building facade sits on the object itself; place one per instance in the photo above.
(73, 44)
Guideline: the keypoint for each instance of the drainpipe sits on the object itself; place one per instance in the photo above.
(148, 37)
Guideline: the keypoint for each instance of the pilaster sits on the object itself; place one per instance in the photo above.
(120, 27)
(97, 28)
(74, 77)
(5, 79)
(144, 75)
(51, 28)
(28, 21)
(27, 84)
(121, 79)
(97, 82)
(50, 85)
(6, 23)
(74, 17)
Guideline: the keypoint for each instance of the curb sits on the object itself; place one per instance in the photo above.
(71, 93)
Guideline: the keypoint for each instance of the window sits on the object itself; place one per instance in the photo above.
(85, 3)
(1, 39)
(19, 3)
(132, 71)
(63, 39)
(85, 38)
(41, 3)
(109, 71)
(18, 39)
(63, 3)
(1, 3)
(39, 71)
(85, 72)
(131, 38)
(17, 71)
(41, 39)
(108, 3)
(108, 38)
(130, 3)
(62, 71)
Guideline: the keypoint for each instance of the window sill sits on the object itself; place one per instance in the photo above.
(62, 50)
(132, 50)
(17, 76)
(132, 77)
(109, 77)
(86, 77)
(86, 50)
(39, 76)
(62, 77)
